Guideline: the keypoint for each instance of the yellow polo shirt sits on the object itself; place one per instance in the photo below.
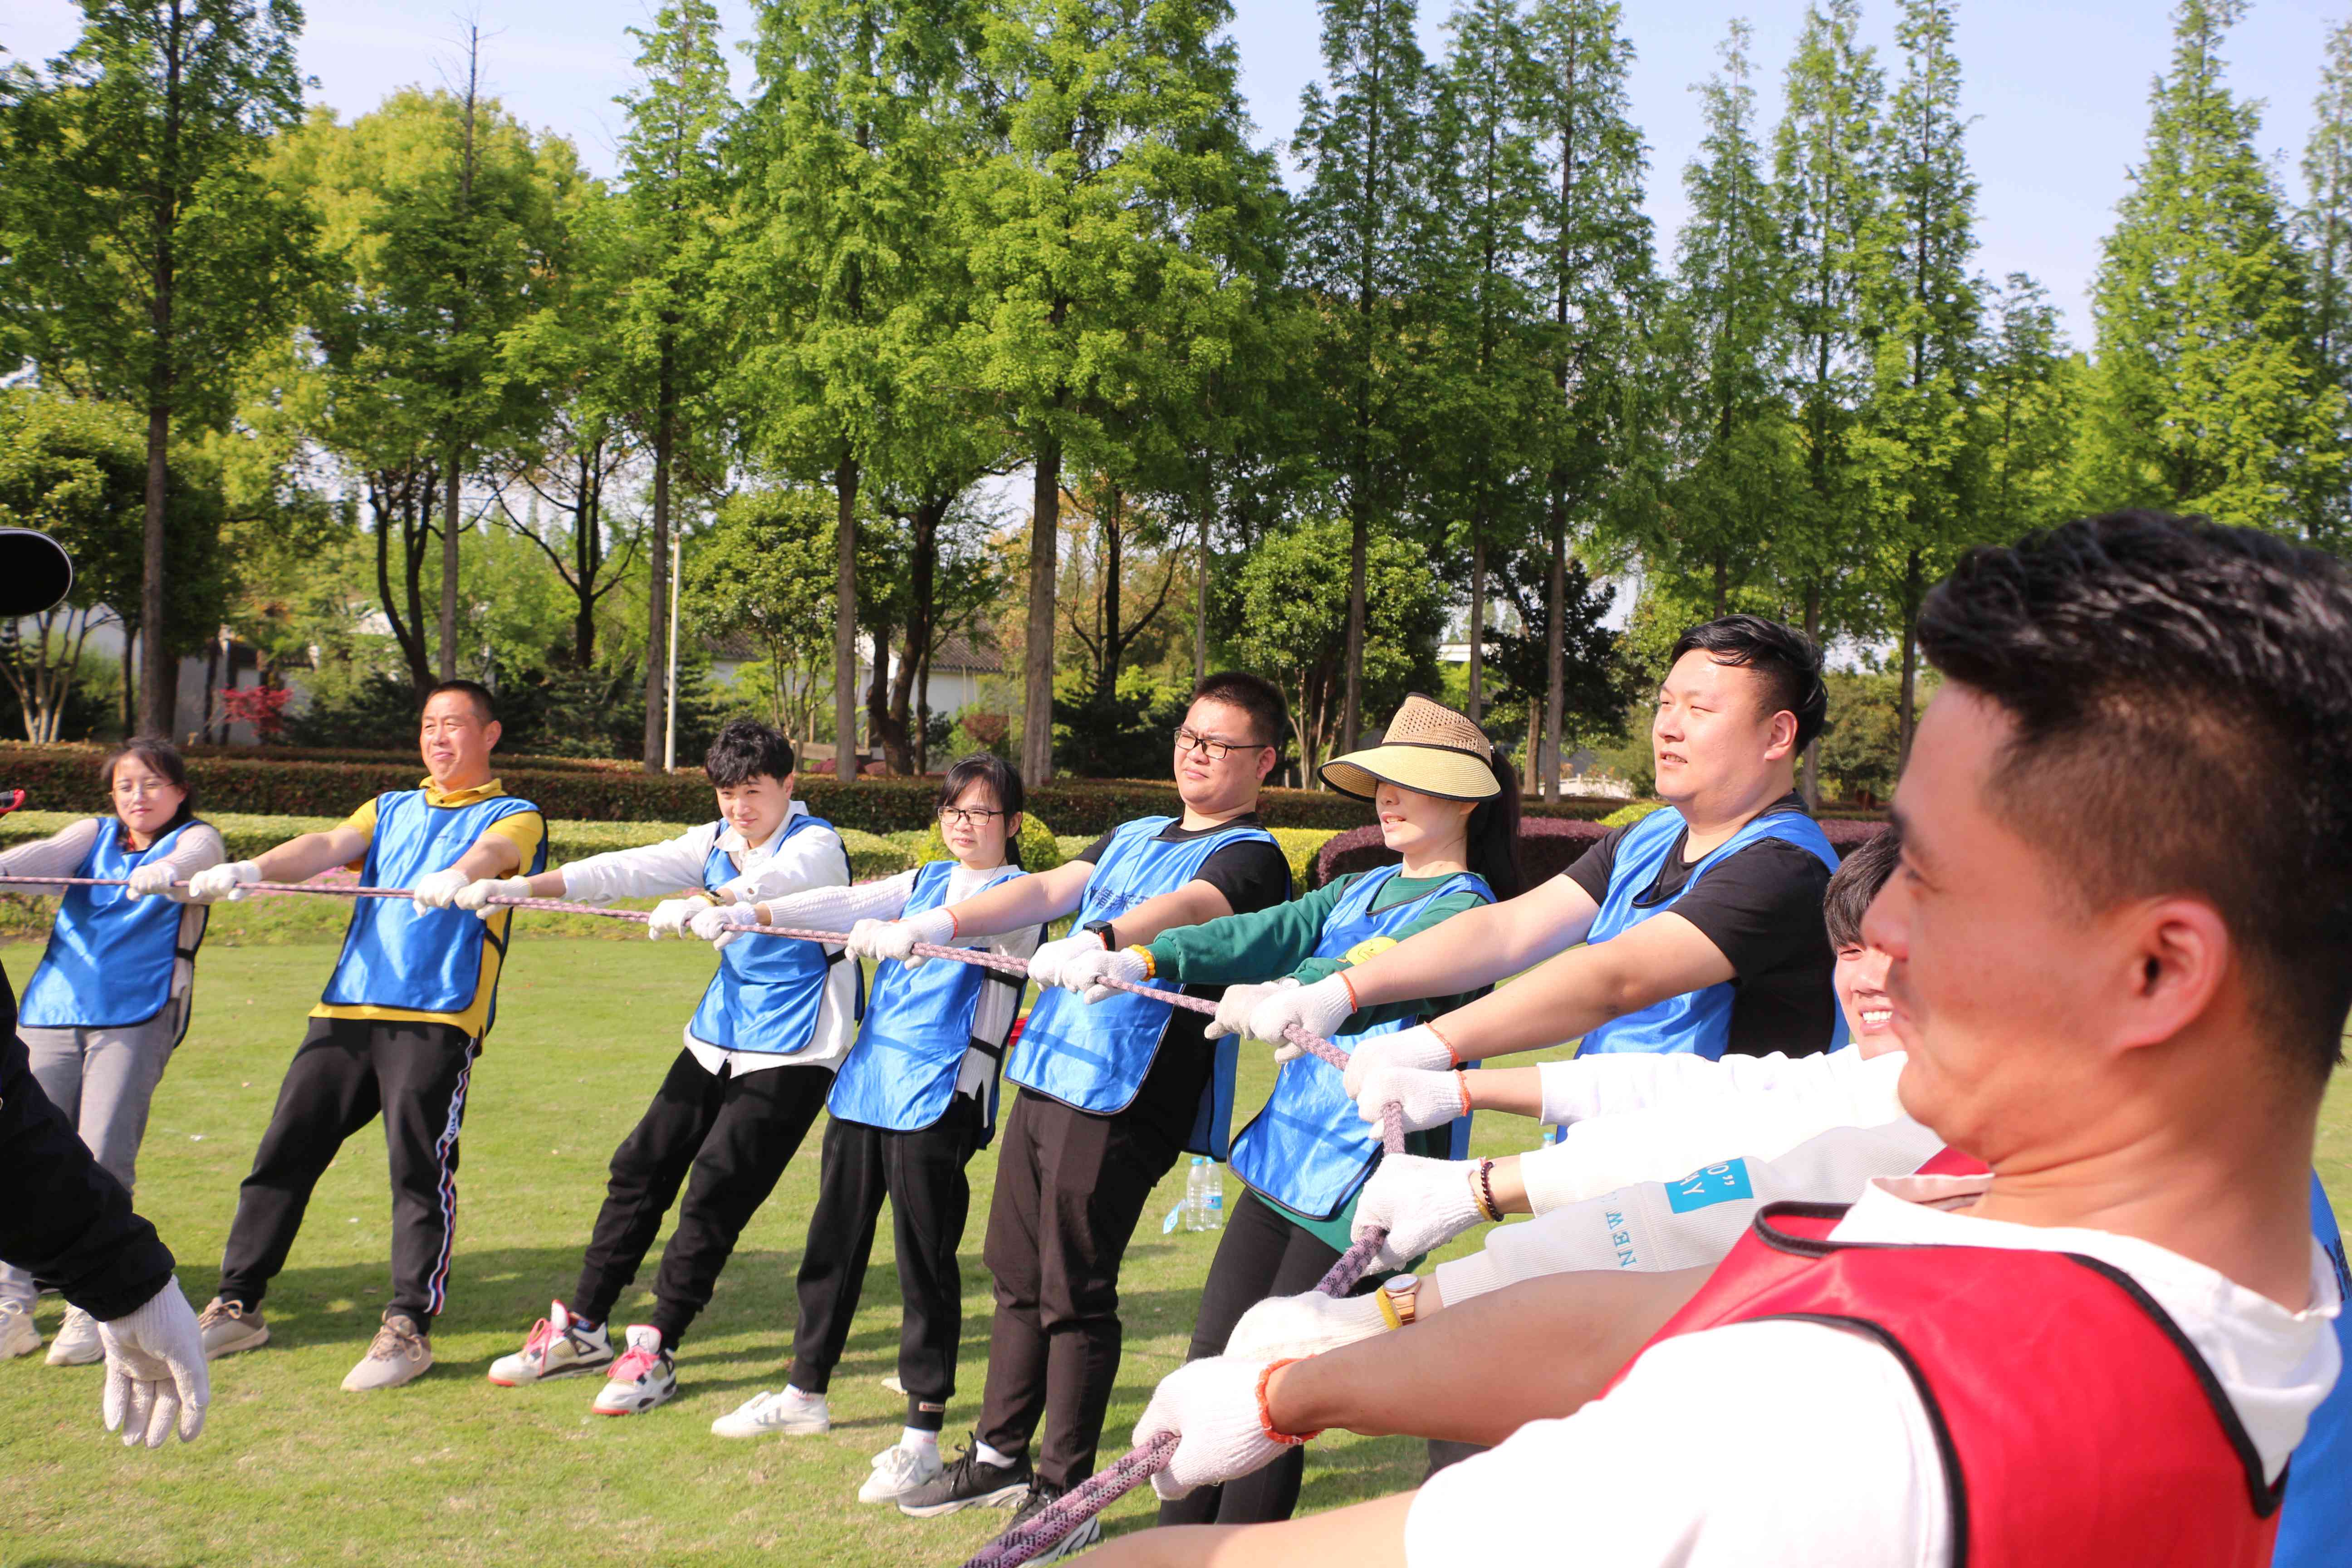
(524, 830)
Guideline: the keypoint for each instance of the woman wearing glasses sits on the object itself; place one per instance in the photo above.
(913, 1101)
(110, 999)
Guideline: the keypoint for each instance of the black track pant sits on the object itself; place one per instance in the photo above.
(1261, 1254)
(347, 1072)
(728, 1139)
(922, 1174)
(1070, 1186)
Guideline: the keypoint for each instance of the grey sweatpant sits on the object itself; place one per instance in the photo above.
(102, 1079)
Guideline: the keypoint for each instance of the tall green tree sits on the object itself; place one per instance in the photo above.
(147, 253)
(1830, 189)
(2207, 396)
(2326, 230)
(2027, 406)
(668, 315)
(1593, 275)
(1099, 225)
(1922, 312)
(1362, 231)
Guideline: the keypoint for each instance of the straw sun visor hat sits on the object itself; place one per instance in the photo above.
(1428, 747)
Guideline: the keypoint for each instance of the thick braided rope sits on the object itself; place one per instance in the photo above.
(1103, 1487)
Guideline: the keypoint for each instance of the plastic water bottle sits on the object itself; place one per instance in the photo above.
(1204, 1197)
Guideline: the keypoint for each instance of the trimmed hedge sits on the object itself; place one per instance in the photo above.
(1547, 847)
(308, 783)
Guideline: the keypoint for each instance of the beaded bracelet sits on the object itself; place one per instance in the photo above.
(1485, 1194)
(1150, 969)
(1265, 1412)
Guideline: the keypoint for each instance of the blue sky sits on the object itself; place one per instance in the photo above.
(2059, 87)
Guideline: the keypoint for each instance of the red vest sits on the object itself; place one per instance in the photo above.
(2077, 1427)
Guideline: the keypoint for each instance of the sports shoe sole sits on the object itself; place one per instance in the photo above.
(252, 1341)
(574, 1369)
(1002, 1497)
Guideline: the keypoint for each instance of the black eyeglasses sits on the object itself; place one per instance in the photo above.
(967, 816)
(1215, 751)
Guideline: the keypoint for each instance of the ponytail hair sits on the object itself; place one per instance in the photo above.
(1492, 847)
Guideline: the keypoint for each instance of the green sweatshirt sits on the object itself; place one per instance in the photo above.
(1268, 944)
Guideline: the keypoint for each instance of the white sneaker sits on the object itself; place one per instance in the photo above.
(899, 1470)
(644, 1377)
(17, 1334)
(790, 1411)
(558, 1347)
(77, 1343)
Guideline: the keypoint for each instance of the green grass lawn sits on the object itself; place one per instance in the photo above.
(292, 1470)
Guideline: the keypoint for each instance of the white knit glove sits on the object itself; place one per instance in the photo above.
(1418, 1047)
(155, 1372)
(1235, 1008)
(1283, 1326)
(216, 882)
(438, 889)
(1085, 971)
(478, 896)
(670, 916)
(722, 923)
(1045, 964)
(1426, 1099)
(1211, 1407)
(148, 879)
(897, 938)
(1421, 1204)
(1319, 1009)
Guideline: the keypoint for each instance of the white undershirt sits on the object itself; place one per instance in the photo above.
(1784, 1445)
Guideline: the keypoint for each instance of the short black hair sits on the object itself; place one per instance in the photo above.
(1003, 781)
(745, 750)
(1861, 872)
(2181, 694)
(1785, 658)
(1254, 695)
(486, 707)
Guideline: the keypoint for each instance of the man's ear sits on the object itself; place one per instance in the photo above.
(1266, 759)
(1783, 742)
(2176, 954)
(490, 733)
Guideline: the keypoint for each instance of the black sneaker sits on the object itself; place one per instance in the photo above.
(1042, 1496)
(970, 1482)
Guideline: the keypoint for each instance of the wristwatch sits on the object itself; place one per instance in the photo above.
(1101, 929)
(1399, 1299)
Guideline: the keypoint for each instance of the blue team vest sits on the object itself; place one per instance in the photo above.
(393, 956)
(1307, 1149)
(901, 1074)
(108, 962)
(2316, 1521)
(1095, 1057)
(1698, 1022)
(767, 991)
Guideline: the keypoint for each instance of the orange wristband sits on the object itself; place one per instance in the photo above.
(1349, 986)
(1462, 1087)
(1265, 1413)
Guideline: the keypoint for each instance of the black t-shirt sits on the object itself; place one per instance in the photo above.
(1252, 875)
(1761, 906)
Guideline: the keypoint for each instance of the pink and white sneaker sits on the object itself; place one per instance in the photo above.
(644, 1377)
(558, 1346)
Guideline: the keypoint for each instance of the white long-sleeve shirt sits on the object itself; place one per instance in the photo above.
(1656, 1118)
(1834, 1463)
(812, 857)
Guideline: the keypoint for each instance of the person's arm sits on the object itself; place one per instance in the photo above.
(1261, 944)
(1578, 992)
(812, 857)
(199, 847)
(1478, 946)
(1618, 1082)
(646, 871)
(1363, 1535)
(304, 857)
(61, 854)
(1035, 899)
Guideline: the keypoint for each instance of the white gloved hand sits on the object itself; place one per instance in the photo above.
(722, 923)
(1235, 1008)
(149, 880)
(1282, 1328)
(216, 882)
(155, 1371)
(438, 889)
(1427, 1098)
(478, 896)
(1046, 964)
(1421, 1204)
(1319, 1009)
(897, 939)
(1085, 971)
(1211, 1407)
(1418, 1047)
(670, 916)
